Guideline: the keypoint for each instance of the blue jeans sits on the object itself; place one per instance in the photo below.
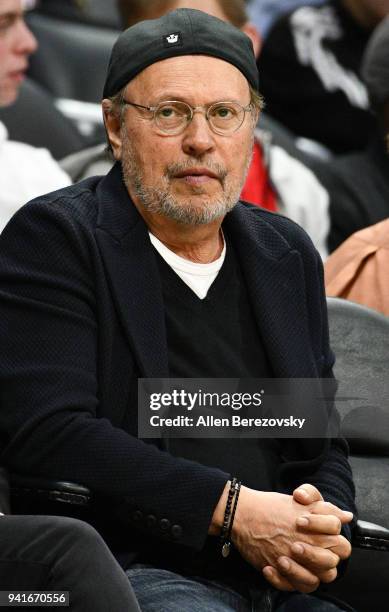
(160, 590)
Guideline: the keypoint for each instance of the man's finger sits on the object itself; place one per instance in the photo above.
(319, 523)
(338, 544)
(299, 576)
(328, 576)
(276, 579)
(322, 507)
(307, 494)
(342, 548)
(315, 558)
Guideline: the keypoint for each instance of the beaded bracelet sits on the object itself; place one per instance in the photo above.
(225, 535)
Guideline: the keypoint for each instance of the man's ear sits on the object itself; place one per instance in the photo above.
(251, 31)
(112, 127)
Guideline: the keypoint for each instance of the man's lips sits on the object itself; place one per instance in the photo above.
(17, 75)
(195, 176)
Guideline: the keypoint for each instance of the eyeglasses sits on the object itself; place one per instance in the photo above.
(172, 116)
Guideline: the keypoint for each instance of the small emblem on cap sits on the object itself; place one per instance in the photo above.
(172, 40)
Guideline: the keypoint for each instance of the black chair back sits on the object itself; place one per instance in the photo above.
(360, 339)
(72, 58)
(35, 120)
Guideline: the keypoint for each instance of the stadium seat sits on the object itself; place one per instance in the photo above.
(96, 12)
(35, 120)
(360, 340)
(72, 58)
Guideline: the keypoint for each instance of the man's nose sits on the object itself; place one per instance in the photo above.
(25, 41)
(198, 137)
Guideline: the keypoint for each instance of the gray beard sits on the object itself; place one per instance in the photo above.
(160, 201)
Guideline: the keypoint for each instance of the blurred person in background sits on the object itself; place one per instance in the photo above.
(263, 13)
(25, 172)
(311, 71)
(358, 183)
(276, 180)
(358, 269)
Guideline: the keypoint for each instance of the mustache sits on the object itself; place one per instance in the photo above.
(218, 169)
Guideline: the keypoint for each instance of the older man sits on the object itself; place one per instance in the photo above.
(276, 180)
(157, 271)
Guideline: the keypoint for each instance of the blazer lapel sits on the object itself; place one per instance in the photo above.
(274, 275)
(275, 282)
(133, 275)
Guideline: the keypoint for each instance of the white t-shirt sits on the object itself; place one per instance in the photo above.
(25, 173)
(199, 277)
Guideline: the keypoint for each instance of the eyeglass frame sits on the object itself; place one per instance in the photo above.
(192, 109)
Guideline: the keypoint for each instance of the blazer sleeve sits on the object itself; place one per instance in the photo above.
(331, 473)
(48, 383)
(333, 477)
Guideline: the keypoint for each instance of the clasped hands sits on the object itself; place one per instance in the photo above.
(293, 539)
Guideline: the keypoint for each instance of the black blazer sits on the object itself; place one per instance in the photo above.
(82, 317)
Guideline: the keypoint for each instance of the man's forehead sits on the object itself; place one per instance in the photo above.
(193, 73)
(14, 7)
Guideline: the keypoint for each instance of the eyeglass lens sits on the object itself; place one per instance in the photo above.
(224, 117)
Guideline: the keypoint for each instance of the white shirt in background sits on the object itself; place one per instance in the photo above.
(25, 173)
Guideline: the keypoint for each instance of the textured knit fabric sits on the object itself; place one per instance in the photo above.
(82, 317)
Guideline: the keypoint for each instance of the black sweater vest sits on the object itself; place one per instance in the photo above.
(217, 337)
